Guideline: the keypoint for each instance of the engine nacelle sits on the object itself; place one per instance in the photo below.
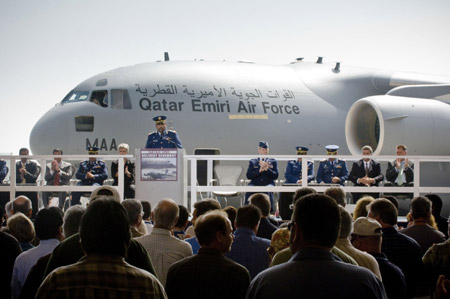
(385, 121)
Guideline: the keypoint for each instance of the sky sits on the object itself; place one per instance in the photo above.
(48, 47)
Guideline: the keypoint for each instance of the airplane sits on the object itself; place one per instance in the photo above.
(231, 106)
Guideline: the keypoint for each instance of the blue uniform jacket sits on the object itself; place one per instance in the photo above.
(98, 168)
(169, 139)
(328, 170)
(262, 178)
(293, 171)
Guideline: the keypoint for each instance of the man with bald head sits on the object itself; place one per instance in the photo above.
(163, 248)
(23, 205)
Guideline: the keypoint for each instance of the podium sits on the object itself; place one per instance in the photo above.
(160, 173)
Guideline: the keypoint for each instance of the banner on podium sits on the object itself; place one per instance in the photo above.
(159, 164)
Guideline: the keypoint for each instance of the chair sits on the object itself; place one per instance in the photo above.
(227, 175)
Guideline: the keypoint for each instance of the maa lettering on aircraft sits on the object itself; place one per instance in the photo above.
(103, 145)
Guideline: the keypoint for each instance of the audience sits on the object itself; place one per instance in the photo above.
(249, 250)
(366, 236)
(313, 271)
(192, 277)
(183, 220)
(9, 250)
(69, 251)
(21, 227)
(436, 209)
(437, 262)
(72, 220)
(102, 272)
(343, 243)
(420, 230)
(200, 208)
(279, 241)
(401, 250)
(48, 226)
(262, 202)
(163, 248)
(23, 205)
(361, 207)
(337, 194)
(147, 209)
(231, 212)
(134, 211)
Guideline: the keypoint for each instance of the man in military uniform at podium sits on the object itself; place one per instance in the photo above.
(91, 172)
(332, 170)
(293, 173)
(162, 138)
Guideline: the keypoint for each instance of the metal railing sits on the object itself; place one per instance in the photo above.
(40, 186)
(416, 189)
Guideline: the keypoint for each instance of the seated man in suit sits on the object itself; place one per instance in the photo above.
(91, 172)
(57, 173)
(332, 170)
(27, 173)
(262, 171)
(401, 171)
(366, 172)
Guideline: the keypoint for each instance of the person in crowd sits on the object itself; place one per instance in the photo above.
(400, 249)
(366, 236)
(313, 271)
(69, 251)
(247, 249)
(338, 194)
(437, 262)
(191, 277)
(163, 248)
(343, 243)
(361, 207)
(91, 172)
(401, 171)
(105, 237)
(293, 173)
(128, 172)
(22, 204)
(279, 241)
(57, 173)
(231, 212)
(332, 170)
(21, 228)
(200, 208)
(27, 173)
(71, 225)
(262, 202)
(72, 220)
(9, 250)
(3, 170)
(262, 171)
(365, 172)
(436, 208)
(147, 209)
(134, 211)
(392, 199)
(48, 226)
(183, 220)
(420, 231)
(162, 138)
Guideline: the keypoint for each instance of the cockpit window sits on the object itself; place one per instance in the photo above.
(120, 99)
(76, 96)
(99, 97)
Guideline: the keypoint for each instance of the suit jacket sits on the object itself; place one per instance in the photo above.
(392, 172)
(262, 178)
(127, 180)
(3, 170)
(32, 172)
(65, 173)
(358, 171)
(169, 139)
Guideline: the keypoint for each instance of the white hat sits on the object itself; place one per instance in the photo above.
(105, 191)
(365, 226)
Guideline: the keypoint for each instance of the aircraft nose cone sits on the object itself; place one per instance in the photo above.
(51, 131)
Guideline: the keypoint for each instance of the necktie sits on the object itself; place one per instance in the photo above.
(366, 168)
(400, 175)
(56, 179)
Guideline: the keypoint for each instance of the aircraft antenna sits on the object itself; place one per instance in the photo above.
(319, 59)
(337, 68)
(166, 56)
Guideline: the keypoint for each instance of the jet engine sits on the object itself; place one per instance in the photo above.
(385, 121)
